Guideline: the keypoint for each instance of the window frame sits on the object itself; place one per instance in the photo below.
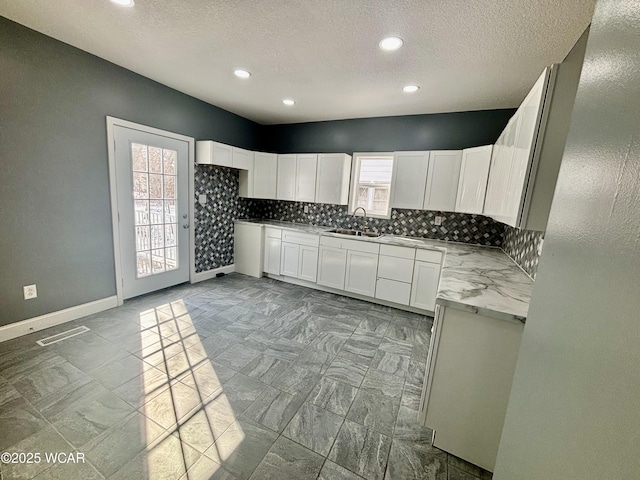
(355, 174)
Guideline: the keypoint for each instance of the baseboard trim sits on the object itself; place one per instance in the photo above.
(24, 327)
(209, 274)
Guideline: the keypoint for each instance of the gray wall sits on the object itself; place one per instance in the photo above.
(573, 411)
(55, 220)
(410, 132)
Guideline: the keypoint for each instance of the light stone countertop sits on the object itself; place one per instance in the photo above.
(474, 278)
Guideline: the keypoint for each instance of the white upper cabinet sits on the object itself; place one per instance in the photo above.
(332, 181)
(409, 179)
(307, 165)
(213, 153)
(442, 180)
(241, 159)
(472, 184)
(265, 171)
(286, 182)
(495, 198)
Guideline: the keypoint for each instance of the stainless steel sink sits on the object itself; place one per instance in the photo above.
(354, 233)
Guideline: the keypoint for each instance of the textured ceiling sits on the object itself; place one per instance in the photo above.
(465, 54)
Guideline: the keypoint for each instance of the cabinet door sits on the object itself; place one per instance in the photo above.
(308, 263)
(332, 264)
(213, 153)
(306, 177)
(241, 159)
(265, 168)
(286, 183)
(272, 248)
(332, 181)
(393, 291)
(409, 179)
(424, 288)
(442, 180)
(361, 274)
(472, 184)
(289, 259)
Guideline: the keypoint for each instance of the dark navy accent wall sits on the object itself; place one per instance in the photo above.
(445, 131)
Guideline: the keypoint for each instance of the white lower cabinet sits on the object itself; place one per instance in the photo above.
(308, 263)
(360, 277)
(332, 265)
(393, 291)
(424, 288)
(272, 248)
(289, 259)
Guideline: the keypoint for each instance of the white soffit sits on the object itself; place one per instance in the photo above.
(464, 54)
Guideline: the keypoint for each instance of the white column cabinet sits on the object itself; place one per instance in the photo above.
(442, 180)
(332, 180)
(472, 183)
(307, 165)
(272, 249)
(409, 179)
(289, 260)
(265, 170)
(247, 248)
(286, 178)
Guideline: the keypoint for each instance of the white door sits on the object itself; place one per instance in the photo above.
(286, 183)
(332, 263)
(289, 259)
(308, 263)
(306, 177)
(361, 276)
(442, 180)
(424, 288)
(153, 210)
(409, 179)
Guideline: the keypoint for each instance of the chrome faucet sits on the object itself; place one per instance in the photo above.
(365, 224)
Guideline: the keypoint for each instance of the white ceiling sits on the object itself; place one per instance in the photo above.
(465, 54)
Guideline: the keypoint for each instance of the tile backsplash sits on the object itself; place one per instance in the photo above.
(214, 220)
(455, 227)
(523, 246)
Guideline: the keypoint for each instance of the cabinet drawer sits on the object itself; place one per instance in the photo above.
(331, 242)
(300, 238)
(393, 291)
(360, 246)
(393, 268)
(400, 252)
(433, 256)
(271, 232)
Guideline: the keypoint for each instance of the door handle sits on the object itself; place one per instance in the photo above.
(186, 225)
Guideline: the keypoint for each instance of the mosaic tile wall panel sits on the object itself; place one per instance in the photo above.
(455, 227)
(214, 221)
(522, 246)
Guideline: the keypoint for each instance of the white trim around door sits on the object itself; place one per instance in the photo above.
(111, 123)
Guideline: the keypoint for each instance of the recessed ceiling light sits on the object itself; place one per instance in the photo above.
(390, 43)
(410, 88)
(123, 3)
(241, 73)
(288, 102)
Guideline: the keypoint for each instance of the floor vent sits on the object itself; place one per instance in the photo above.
(62, 336)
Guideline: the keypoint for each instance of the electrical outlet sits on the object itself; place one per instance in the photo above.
(306, 209)
(30, 292)
(438, 220)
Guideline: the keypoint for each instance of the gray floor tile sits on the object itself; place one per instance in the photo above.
(333, 471)
(15, 366)
(274, 408)
(413, 460)
(296, 381)
(113, 448)
(408, 428)
(43, 441)
(208, 378)
(393, 345)
(18, 420)
(241, 391)
(333, 396)
(88, 351)
(285, 349)
(361, 450)
(143, 388)
(206, 469)
(242, 447)
(375, 411)
(314, 428)
(391, 363)
(383, 383)
(330, 342)
(374, 323)
(464, 470)
(7, 392)
(265, 368)
(411, 395)
(314, 360)
(42, 382)
(347, 370)
(169, 407)
(120, 371)
(65, 471)
(405, 334)
(287, 459)
(166, 459)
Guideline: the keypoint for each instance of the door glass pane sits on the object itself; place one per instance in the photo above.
(155, 192)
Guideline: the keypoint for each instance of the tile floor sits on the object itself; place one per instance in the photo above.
(234, 378)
